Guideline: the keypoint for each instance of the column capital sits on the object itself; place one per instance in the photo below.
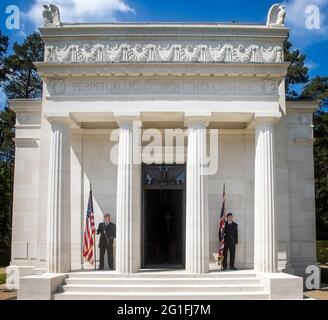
(122, 116)
(264, 117)
(192, 117)
(63, 118)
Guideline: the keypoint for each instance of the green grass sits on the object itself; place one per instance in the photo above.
(2, 278)
(322, 251)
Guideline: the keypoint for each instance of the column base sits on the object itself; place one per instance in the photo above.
(40, 287)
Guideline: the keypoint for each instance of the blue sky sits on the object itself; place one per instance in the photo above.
(314, 43)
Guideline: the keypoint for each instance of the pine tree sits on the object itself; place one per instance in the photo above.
(317, 89)
(22, 79)
(297, 71)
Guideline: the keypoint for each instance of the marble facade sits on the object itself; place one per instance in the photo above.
(100, 78)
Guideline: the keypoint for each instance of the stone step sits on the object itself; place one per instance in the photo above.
(159, 281)
(145, 288)
(169, 274)
(248, 295)
(161, 285)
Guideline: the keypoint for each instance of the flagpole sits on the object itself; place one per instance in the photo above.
(95, 249)
(94, 235)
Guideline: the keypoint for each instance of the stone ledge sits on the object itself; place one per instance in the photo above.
(282, 286)
(40, 287)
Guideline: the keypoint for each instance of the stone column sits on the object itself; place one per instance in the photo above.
(128, 205)
(197, 235)
(59, 194)
(265, 257)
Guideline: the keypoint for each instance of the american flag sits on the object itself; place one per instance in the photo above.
(89, 232)
(221, 229)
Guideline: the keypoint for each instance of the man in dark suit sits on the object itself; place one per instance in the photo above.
(230, 241)
(107, 231)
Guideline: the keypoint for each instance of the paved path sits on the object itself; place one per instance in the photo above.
(6, 294)
(321, 294)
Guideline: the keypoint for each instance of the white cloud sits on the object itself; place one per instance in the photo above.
(297, 17)
(311, 64)
(80, 10)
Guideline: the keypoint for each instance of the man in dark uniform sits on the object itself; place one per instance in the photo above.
(107, 231)
(230, 241)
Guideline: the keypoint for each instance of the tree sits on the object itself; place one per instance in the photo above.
(3, 51)
(7, 158)
(5, 175)
(297, 71)
(317, 89)
(22, 79)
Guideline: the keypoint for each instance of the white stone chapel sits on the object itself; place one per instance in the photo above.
(158, 117)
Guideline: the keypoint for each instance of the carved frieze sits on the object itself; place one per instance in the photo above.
(157, 52)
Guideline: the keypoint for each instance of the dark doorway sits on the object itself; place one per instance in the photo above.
(163, 208)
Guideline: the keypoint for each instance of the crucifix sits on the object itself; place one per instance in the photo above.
(167, 217)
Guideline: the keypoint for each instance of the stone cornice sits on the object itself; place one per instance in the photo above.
(302, 105)
(83, 70)
(164, 30)
(25, 105)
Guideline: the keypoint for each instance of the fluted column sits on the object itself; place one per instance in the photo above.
(59, 215)
(197, 236)
(264, 203)
(128, 206)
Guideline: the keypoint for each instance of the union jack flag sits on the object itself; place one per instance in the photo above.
(221, 229)
(89, 232)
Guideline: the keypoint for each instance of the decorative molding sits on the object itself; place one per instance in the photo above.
(57, 87)
(152, 52)
(25, 105)
(23, 117)
(304, 119)
(26, 142)
(304, 141)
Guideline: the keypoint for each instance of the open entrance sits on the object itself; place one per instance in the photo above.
(163, 216)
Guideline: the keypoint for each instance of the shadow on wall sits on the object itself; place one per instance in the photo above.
(93, 156)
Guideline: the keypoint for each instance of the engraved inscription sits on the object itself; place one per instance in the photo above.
(216, 87)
